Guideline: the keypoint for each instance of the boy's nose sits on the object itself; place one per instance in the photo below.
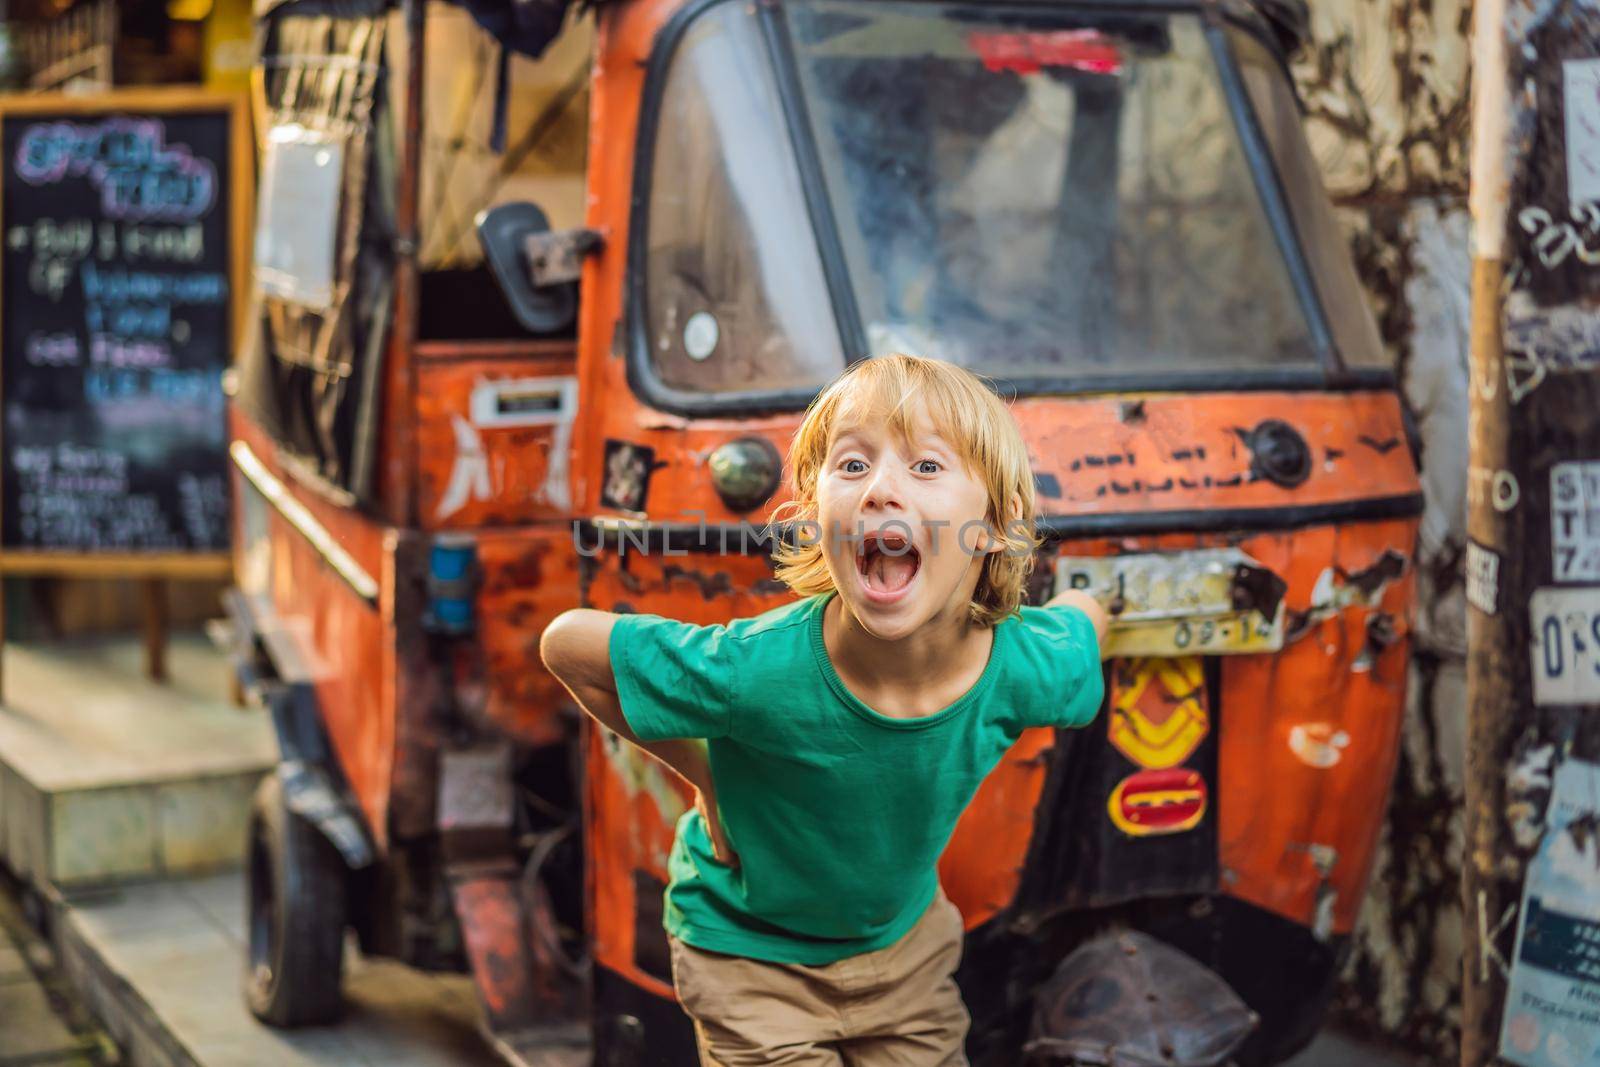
(883, 491)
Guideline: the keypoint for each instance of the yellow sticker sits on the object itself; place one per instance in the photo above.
(1158, 713)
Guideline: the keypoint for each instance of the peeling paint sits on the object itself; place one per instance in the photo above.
(641, 772)
(1528, 786)
(1335, 591)
(1318, 744)
(469, 473)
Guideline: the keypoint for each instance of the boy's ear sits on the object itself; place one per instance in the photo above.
(994, 544)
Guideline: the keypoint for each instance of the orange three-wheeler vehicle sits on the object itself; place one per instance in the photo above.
(1107, 206)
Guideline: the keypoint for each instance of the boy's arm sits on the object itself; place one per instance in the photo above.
(1091, 607)
(576, 648)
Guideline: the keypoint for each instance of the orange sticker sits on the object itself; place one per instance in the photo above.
(1158, 711)
(1148, 803)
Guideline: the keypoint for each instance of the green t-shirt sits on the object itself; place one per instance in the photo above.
(838, 814)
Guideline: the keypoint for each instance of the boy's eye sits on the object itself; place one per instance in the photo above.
(928, 466)
(854, 466)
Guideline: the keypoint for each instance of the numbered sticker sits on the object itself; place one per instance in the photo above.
(1575, 521)
(1566, 646)
(1204, 635)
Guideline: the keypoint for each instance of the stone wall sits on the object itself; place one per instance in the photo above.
(1385, 83)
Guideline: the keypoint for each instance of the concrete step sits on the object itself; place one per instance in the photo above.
(106, 776)
(161, 964)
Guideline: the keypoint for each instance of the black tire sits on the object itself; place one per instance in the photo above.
(295, 916)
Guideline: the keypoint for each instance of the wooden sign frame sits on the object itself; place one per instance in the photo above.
(153, 566)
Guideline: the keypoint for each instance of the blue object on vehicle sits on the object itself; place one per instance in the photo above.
(452, 584)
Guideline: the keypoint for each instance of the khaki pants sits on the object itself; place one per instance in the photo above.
(896, 1007)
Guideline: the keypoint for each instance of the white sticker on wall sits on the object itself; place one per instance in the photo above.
(1580, 83)
(501, 402)
(1575, 521)
(1483, 578)
(1566, 645)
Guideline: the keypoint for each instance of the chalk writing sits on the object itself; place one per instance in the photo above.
(116, 296)
(138, 175)
(1503, 492)
(1554, 241)
(1539, 342)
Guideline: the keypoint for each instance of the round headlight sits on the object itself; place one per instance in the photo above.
(1278, 453)
(745, 472)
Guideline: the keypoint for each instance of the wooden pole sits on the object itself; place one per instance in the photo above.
(401, 456)
(1533, 556)
(155, 629)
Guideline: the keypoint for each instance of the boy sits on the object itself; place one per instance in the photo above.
(833, 742)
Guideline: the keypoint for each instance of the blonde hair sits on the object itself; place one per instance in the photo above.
(969, 415)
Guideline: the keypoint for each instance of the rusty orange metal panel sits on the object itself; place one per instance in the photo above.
(1310, 735)
(624, 34)
(1179, 452)
(633, 804)
(697, 587)
(517, 981)
(493, 439)
(530, 576)
(982, 866)
(413, 687)
(348, 635)
(1091, 457)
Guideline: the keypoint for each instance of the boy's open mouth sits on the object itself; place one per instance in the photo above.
(887, 561)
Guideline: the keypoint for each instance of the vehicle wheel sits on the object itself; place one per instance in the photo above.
(295, 911)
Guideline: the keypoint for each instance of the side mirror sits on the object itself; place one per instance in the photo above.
(537, 269)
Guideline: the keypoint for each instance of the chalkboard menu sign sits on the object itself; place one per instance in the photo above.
(120, 274)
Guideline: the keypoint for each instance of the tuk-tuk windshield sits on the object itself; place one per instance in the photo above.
(1043, 194)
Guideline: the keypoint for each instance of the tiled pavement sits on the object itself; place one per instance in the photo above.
(41, 1024)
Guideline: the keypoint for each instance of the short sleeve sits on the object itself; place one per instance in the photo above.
(1061, 653)
(673, 678)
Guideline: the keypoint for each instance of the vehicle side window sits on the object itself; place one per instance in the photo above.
(735, 298)
(1355, 333)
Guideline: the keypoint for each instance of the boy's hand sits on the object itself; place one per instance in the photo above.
(706, 801)
(688, 757)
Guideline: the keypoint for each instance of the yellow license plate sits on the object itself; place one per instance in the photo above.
(1200, 602)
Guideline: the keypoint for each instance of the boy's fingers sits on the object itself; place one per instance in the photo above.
(719, 843)
(719, 840)
(720, 849)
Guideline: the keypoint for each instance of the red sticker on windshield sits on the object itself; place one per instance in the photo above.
(1027, 53)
